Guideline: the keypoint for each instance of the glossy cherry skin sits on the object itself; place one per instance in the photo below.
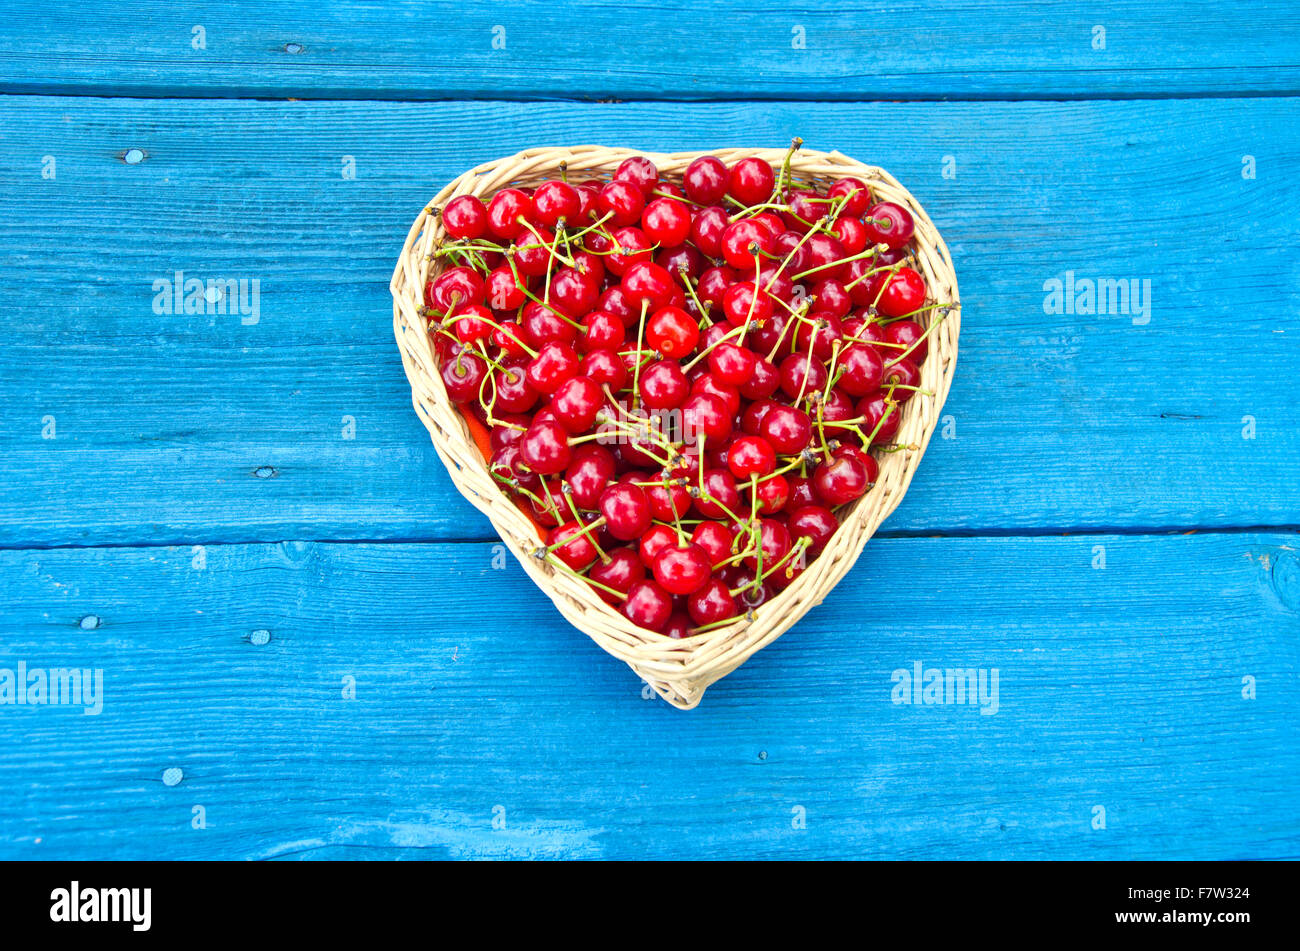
(682, 569)
(787, 429)
(601, 330)
(577, 551)
(743, 241)
(672, 331)
(590, 470)
(863, 369)
(889, 224)
(554, 202)
(645, 281)
(623, 201)
(647, 605)
(504, 211)
(867, 460)
(802, 374)
(626, 510)
(465, 217)
(910, 337)
(901, 379)
(904, 294)
(706, 180)
(711, 604)
(606, 368)
(856, 194)
(668, 500)
(751, 181)
(750, 455)
(881, 416)
(514, 393)
(545, 447)
(715, 539)
(631, 246)
(773, 494)
(653, 541)
(533, 256)
(707, 415)
(666, 222)
(678, 626)
(746, 303)
(663, 385)
(732, 365)
(620, 572)
(765, 381)
(462, 375)
(814, 522)
(576, 403)
(723, 498)
(640, 171)
(453, 287)
(555, 362)
(840, 481)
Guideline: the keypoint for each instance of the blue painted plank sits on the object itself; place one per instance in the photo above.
(1061, 421)
(1123, 687)
(671, 49)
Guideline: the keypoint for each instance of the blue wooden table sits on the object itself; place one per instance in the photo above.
(311, 648)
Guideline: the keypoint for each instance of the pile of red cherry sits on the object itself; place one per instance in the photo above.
(682, 383)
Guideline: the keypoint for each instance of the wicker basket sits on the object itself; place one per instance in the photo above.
(678, 670)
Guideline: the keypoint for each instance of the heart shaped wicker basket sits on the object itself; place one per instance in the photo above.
(678, 670)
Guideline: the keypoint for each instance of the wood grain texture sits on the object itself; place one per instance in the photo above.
(671, 49)
(1120, 687)
(163, 423)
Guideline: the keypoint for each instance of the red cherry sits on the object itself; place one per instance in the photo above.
(545, 447)
(666, 222)
(713, 285)
(630, 247)
(904, 294)
(514, 394)
(542, 324)
(640, 171)
(502, 291)
(577, 550)
(572, 293)
(653, 541)
(723, 499)
(663, 385)
(647, 605)
(704, 414)
(889, 224)
(731, 364)
(880, 416)
(465, 217)
(555, 362)
(672, 331)
(746, 302)
(802, 374)
(907, 333)
(752, 181)
(765, 381)
(620, 572)
(814, 522)
(576, 403)
(750, 455)
(857, 193)
(681, 569)
(624, 201)
(852, 234)
(904, 375)
(773, 494)
(554, 202)
(504, 211)
(840, 481)
(462, 376)
(787, 429)
(645, 281)
(668, 501)
(681, 262)
(711, 604)
(706, 180)
(678, 626)
(774, 542)
(626, 510)
(533, 252)
(743, 241)
(606, 368)
(590, 469)
(455, 287)
(862, 369)
(601, 330)
(715, 539)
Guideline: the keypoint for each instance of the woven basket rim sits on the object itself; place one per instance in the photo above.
(678, 670)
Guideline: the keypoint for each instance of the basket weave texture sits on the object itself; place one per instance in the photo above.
(678, 670)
